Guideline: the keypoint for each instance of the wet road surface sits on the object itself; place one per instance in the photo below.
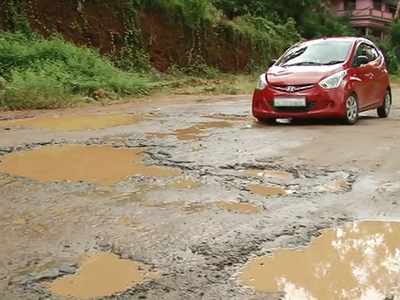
(190, 198)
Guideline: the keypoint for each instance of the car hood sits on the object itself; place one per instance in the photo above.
(300, 75)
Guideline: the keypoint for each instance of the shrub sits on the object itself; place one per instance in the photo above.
(45, 72)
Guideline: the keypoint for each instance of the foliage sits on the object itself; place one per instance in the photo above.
(194, 13)
(268, 40)
(45, 72)
(313, 17)
(15, 16)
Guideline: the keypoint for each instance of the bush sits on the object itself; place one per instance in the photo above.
(268, 39)
(46, 72)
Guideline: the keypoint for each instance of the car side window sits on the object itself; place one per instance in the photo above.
(368, 51)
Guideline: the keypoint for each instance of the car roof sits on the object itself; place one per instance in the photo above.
(342, 38)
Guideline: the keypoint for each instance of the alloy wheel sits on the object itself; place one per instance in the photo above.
(351, 109)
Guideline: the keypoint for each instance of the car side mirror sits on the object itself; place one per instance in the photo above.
(361, 60)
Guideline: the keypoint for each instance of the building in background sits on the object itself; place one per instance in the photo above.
(368, 17)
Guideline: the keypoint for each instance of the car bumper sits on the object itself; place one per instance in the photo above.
(321, 103)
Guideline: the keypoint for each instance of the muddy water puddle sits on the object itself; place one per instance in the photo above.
(101, 275)
(200, 129)
(98, 164)
(238, 207)
(357, 261)
(267, 191)
(194, 132)
(74, 122)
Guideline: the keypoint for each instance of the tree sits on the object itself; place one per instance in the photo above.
(396, 15)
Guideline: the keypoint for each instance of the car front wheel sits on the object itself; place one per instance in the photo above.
(351, 110)
(384, 110)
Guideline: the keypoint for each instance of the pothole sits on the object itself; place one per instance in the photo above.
(74, 122)
(267, 190)
(98, 164)
(198, 130)
(184, 183)
(101, 275)
(191, 133)
(357, 261)
(238, 207)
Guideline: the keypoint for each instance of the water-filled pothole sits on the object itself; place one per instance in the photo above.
(267, 191)
(238, 207)
(101, 275)
(357, 261)
(99, 164)
(74, 122)
(198, 130)
(191, 133)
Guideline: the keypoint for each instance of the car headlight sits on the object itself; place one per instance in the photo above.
(333, 81)
(262, 82)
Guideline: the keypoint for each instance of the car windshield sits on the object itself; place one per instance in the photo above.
(316, 53)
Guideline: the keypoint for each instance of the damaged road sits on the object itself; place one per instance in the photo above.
(188, 198)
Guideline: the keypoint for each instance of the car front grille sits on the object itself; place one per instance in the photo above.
(292, 88)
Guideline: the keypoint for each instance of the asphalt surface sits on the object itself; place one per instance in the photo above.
(243, 188)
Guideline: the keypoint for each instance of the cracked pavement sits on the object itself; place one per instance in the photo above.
(332, 174)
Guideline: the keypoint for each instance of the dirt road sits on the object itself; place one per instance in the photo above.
(188, 190)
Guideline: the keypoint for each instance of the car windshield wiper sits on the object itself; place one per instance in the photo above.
(303, 63)
(334, 62)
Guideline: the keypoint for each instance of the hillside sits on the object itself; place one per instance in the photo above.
(196, 37)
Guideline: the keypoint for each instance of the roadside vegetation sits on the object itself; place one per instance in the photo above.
(38, 72)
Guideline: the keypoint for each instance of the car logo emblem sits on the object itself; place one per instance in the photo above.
(291, 89)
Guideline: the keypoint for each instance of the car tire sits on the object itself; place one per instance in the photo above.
(384, 110)
(351, 113)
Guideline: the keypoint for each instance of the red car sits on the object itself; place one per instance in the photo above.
(325, 78)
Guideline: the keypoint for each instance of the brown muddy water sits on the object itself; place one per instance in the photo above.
(267, 191)
(101, 275)
(74, 122)
(200, 129)
(191, 133)
(357, 261)
(98, 164)
(238, 207)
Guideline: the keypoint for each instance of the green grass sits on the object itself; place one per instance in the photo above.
(50, 73)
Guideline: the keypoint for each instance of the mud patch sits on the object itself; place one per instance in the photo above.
(74, 122)
(238, 207)
(267, 191)
(357, 261)
(98, 164)
(184, 183)
(101, 275)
